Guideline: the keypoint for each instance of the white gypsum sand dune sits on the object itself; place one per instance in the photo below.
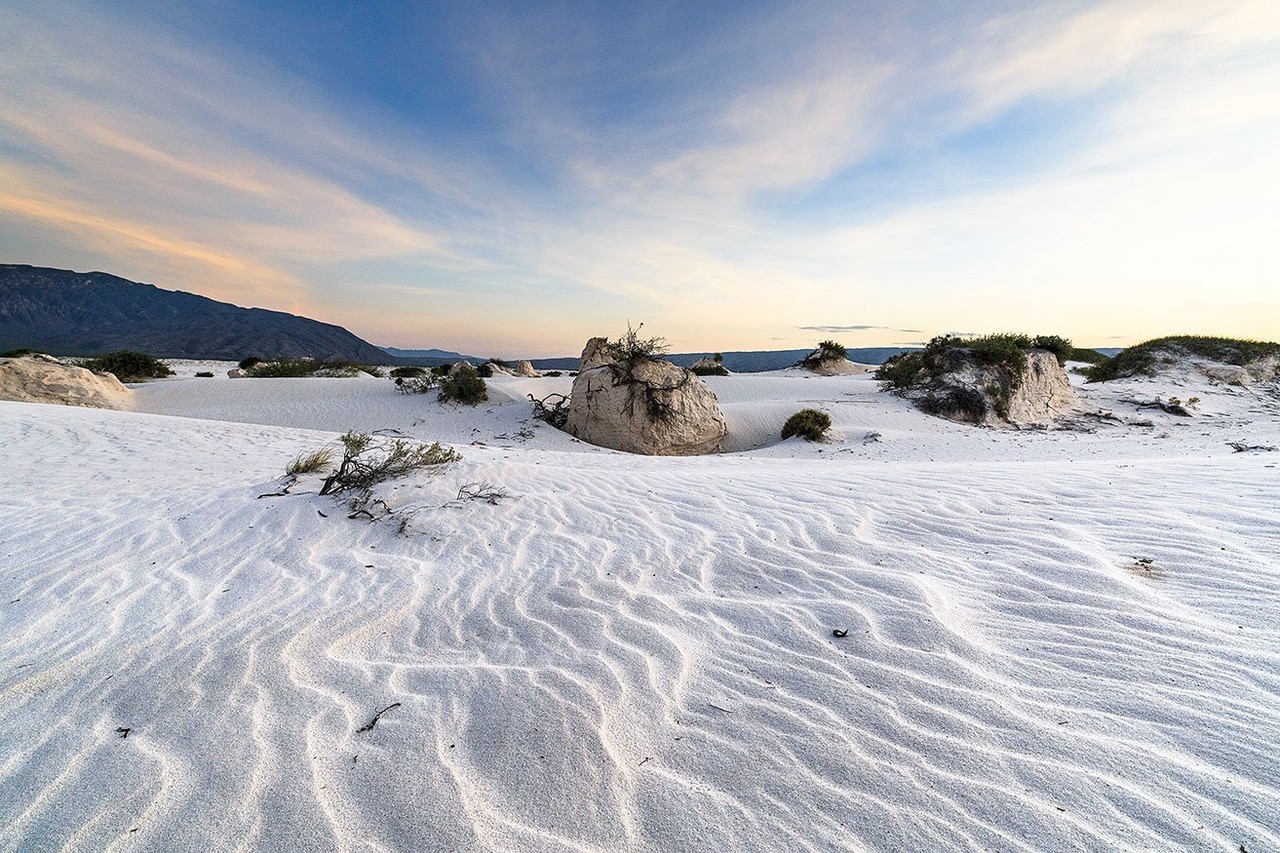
(1055, 640)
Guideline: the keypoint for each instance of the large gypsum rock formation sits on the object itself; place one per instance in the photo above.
(1230, 360)
(40, 379)
(952, 382)
(524, 367)
(650, 406)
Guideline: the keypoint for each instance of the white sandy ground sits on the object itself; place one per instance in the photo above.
(637, 653)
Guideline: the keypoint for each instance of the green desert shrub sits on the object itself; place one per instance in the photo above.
(825, 351)
(901, 371)
(289, 367)
(1147, 357)
(1088, 356)
(1006, 352)
(129, 366)
(204, 374)
(407, 372)
(367, 461)
(553, 373)
(809, 424)
(18, 353)
(440, 370)
(710, 370)
(251, 361)
(485, 370)
(464, 386)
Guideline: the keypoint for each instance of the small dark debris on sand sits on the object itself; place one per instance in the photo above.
(369, 725)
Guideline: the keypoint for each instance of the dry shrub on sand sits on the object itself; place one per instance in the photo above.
(366, 462)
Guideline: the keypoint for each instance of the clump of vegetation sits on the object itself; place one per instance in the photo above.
(553, 373)
(303, 366)
(1088, 356)
(204, 374)
(129, 366)
(251, 361)
(1005, 352)
(1148, 357)
(373, 370)
(440, 370)
(18, 353)
(825, 351)
(553, 408)
(420, 384)
(310, 463)
(630, 352)
(465, 385)
(631, 349)
(710, 369)
(485, 371)
(407, 372)
(809, 424)
(366, 462)
(1005, 355)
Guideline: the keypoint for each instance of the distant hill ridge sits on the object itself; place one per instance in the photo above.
(69, 313)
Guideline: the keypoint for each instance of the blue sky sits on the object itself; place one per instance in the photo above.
(510, 179)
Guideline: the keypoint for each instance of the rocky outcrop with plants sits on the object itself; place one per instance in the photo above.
(994, 380)
(627, 396)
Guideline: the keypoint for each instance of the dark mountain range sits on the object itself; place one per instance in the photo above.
(68, 313)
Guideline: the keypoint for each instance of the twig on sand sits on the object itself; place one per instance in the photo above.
(839, 632)
(284, 491)
(369, 725)
(1241, 447)
(718, 708)
(643, 760)
(123, 731)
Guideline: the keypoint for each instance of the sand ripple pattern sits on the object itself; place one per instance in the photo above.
(631, 654)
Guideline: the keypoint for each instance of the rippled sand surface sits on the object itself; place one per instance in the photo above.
(1050, 640)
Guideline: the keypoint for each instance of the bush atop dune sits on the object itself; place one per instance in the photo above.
(1005, 352)
(1148, 357)
(809, 424)
(464, 386)
(825, 351)
(129, 366)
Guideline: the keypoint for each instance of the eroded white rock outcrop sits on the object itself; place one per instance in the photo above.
(36, 379)
(650, 407)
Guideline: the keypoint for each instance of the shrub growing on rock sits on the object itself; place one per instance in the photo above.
(630, 349)
(809, 424)
(129, 366)
(1147, 357)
